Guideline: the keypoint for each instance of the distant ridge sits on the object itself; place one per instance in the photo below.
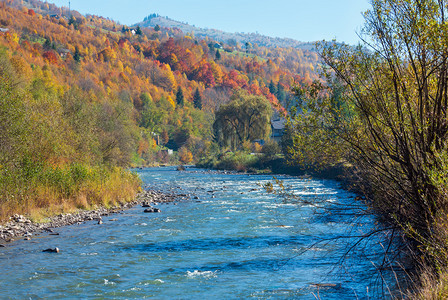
(222, 36)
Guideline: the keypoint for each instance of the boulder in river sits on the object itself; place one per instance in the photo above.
(152, 210)
(51, 250)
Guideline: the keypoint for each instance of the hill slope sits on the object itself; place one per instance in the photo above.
(225, 37)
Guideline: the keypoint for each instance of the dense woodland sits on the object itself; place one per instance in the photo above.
(85, 97)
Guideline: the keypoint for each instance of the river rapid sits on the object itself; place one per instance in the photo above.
(229, 240)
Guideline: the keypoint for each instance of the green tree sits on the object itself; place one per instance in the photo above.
(77, 55)
(281, 93)
(245, 118)
(197, 99)
(180, 96)
(151, 116)
(138, 31)
(311, 139)
(272, 88)
(217, 55)
(47, 44)
(157, 28)
(73, 22)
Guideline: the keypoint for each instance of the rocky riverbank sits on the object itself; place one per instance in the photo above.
(20, 226)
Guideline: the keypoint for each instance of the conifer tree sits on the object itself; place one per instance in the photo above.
(77, 55)
(180, 96)
(197, 99)
(272, 88)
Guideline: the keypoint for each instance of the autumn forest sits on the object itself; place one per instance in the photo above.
(84, 97)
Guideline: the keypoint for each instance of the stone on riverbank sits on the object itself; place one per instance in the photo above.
(20, 226)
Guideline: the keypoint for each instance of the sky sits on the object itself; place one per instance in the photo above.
(302, 20)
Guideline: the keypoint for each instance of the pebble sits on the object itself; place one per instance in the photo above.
(21, 226)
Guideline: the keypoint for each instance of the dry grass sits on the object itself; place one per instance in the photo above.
(432, 287)
(42, 202)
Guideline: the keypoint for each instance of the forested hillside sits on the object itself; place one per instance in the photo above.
(84, 96)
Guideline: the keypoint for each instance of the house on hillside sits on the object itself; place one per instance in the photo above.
(277, 129)
(63, 52)
(3, 30)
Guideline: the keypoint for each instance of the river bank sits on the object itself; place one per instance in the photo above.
(20, 227)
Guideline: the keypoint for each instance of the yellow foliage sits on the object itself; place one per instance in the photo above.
(21, 66)
(15, 38)
(185, 156)
(171, 101)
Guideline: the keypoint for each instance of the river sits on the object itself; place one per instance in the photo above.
(233, 241)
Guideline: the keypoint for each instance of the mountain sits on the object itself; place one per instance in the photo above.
(224, 37)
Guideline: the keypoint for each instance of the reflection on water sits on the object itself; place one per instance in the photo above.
(233, 241)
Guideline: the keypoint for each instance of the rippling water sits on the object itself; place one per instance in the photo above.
(235, 241)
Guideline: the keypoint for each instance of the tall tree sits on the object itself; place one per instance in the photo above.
(245, 118)
(77, 55)
(197, 99)
(180, 96)
(272, 88)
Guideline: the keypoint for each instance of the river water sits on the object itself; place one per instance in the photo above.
(234, 241)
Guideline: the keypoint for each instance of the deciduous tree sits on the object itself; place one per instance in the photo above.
(245, 118)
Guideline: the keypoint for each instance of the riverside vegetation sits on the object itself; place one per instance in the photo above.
(82, 98)
(383, 110)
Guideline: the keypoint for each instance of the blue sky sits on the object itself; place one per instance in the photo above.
(303, 20)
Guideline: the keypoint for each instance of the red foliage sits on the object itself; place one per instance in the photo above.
(204, 73)
(51, 57)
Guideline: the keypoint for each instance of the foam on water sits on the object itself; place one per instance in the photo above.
(205, 274)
